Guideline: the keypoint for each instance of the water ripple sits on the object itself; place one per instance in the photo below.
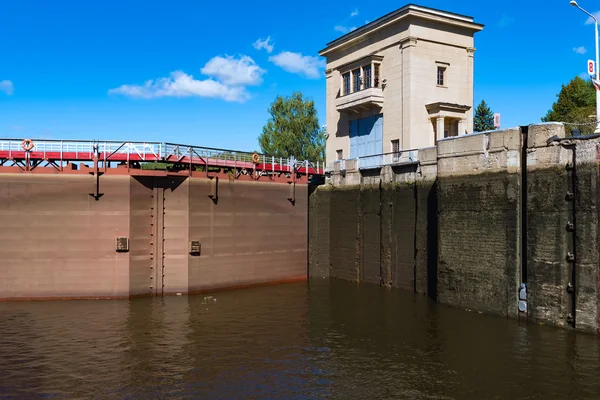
(328, 341)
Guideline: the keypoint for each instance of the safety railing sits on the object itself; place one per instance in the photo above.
(375, 160)
(145, 150)
(155, 151)
(393, 158)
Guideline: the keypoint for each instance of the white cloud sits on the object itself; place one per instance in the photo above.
(264, 44)
(229, 78)
(296, 63)
(354, 13)
(343, 29)
(580, 50)
(231, 71)
(590, 20)
(180, 84)
(7, 87)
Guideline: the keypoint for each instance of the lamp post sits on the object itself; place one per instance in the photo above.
(597, 82)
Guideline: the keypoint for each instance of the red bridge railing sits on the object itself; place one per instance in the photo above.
(127, 152)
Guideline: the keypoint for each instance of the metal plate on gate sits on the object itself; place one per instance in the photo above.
(195, 247)
(122, 244)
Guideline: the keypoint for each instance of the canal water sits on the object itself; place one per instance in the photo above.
(324, 340)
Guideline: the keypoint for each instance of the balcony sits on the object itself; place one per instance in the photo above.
(363, 100)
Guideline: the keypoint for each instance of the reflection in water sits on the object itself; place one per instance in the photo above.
(325, 340)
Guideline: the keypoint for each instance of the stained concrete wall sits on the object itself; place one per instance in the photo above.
(476, 218)
(377, 233)
(479, 236)
(59, 242)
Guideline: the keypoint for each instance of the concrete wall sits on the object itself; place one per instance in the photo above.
(377, 234)
(58, 242)
(476, 218)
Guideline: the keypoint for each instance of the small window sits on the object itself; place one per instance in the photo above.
(356, 75)
(346, 87)
(339, 154)
(395, 150)
(441, 76)
(367, 73)
(376, 76)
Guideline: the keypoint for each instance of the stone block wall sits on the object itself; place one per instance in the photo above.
(478, 222)
(378, 234)
(477, 218)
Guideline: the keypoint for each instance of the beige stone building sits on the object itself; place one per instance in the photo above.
(400, 82)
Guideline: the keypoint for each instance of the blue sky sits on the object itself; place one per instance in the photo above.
(203, 73)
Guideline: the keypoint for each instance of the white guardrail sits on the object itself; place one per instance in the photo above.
(375, 161)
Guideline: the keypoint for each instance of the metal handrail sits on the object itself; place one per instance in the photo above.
(159, 150)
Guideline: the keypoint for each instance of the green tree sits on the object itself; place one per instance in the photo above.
(576, 103)
(484, 118)
(293, 130)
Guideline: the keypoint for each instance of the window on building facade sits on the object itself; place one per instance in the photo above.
(364, 77)
(441, 76)
(395, 150)
(346, 78)
(367, 76)
(339, 154)
(356, 80)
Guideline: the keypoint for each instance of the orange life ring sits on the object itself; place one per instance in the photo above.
(27, 144)
(255, 158)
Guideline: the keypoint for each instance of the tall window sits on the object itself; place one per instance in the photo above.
(441, 75)
(396, 150)
(376, 76)
(346, 78)
(356, 76)
(339, 154)
(367, 73)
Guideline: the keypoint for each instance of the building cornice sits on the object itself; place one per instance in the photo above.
(410, 10)
(433, 108)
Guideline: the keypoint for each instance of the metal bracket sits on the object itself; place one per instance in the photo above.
(96, 195)
(570, 226)
(570, 257)
(570, 288)
(214, 189)
(569, 196)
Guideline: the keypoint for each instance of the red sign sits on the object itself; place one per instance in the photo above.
(591, 67)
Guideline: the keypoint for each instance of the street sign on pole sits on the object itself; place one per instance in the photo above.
(497, 120)
(591, 67)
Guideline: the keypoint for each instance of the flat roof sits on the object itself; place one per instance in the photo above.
(397, 13)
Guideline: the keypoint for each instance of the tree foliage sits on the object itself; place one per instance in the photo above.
(484, 118)
(293, 130)
(576, 102)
